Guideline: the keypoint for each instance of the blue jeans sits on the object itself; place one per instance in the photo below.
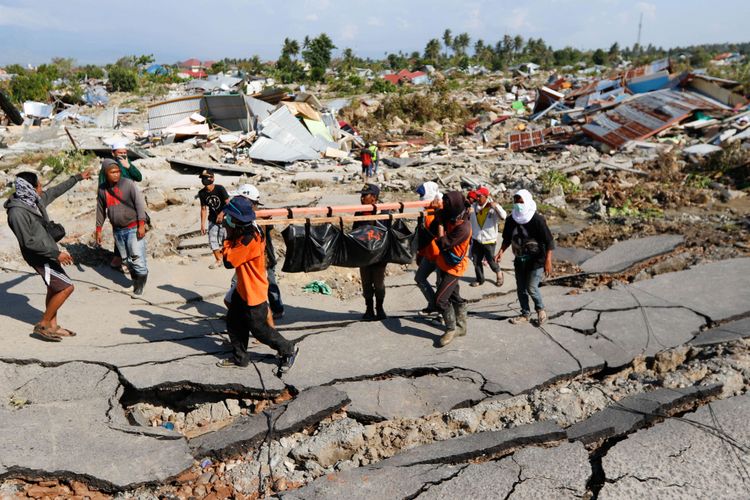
(132, 250)
(527, 283)
(426, 268)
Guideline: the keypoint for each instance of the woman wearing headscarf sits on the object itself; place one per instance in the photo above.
(528, 233)
(453, 238)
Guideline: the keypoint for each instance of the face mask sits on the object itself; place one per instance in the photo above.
(207, 182)
(518, 207)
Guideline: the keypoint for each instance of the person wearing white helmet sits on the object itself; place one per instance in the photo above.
(274, 292)
(427, 251)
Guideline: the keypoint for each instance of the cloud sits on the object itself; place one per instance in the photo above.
(648, 9)
(25, 18)
(474, 21)
(374, 21)
(518, 20)
(312, 17)
(349, 32)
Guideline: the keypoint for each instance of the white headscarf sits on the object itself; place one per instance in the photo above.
(431, 192)
(529, 207)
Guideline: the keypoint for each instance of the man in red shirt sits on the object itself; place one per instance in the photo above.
(245, 251)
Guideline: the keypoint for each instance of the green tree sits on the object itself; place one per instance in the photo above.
(16, 69)
(599, 57)
(288, 68)
(517, 44)
(64, 66)
(461, 43)
(30, 86)
(123, 79)
(89, 71)
(432, 51)
(447, 41)
(614, 53)
(218, 67)
(318, 56)
(348, 60)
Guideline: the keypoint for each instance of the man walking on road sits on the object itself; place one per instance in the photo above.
(213, 198)
(37, 237)
(485, 217)
(120, 200)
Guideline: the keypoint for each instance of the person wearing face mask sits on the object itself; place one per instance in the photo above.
(532, 243)
(485, 217)
(213, 198)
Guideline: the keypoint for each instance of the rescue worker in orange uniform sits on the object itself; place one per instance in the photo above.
(245, 251)
(453, 239)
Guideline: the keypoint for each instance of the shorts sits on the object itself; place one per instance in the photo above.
(216, 236)
(54, 276)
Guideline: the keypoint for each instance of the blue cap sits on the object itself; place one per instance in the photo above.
(240, 210)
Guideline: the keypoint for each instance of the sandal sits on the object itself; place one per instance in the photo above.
(64, 332)
(46, 333)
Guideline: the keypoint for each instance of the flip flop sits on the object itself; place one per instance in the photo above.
(64, 332)
(46, 333)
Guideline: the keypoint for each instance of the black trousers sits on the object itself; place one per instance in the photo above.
(373, 281)
(480, 252)
(448, 291)
(242, 320)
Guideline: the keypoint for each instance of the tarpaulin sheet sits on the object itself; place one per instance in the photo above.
(314, 248)
(318, 129)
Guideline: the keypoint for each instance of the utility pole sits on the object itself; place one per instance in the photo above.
(640, 26)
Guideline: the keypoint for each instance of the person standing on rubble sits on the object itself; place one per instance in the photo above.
(28, 219)
(374, 152)
(121, 201)
(244, 251)
(213, 198)
(452, 240)
(428, 251)
(372, 276)
(365, 156)
(120, 155)
(485, 217)
(527, 231)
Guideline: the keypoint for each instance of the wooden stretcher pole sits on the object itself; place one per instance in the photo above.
(297, 212)
(337, 220)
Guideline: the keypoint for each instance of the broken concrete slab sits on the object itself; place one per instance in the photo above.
(372, 483)
(718, 290)
(701, 455)
(626, 254)
(307, 408)
(583, 321)
(482, 444)
(575, 256)
(636, 411)
(65, 422)
(400, 397)
(533, 472)
(734, 330)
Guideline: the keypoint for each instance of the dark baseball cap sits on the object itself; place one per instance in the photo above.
(372, 189)
(240, 210)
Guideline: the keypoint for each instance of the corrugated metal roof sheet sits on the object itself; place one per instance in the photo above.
(164, 114)
(643, 116)
(226, 111)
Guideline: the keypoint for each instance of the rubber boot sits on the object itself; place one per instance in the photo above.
(461, 318)
(369, 311)
(379, 299)
(139, 283)
(449, 317)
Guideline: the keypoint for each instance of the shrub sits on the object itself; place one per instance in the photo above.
(29, 87)
(123, 79)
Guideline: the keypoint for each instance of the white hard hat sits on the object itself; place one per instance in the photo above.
(250, 192)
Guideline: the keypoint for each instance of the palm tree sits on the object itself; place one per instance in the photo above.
(432, 50)
(447, 40)
(518, 43)
(461, 43)
(290, 47)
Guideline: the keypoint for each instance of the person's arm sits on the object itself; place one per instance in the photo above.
(549, 244)
(458, 235)
(507, 234)
(139, 203)
(101, 214)
(499, 210)
(51, 194)
(134, 173)
(235, 253)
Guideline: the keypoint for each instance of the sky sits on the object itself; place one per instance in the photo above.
(98, 32)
